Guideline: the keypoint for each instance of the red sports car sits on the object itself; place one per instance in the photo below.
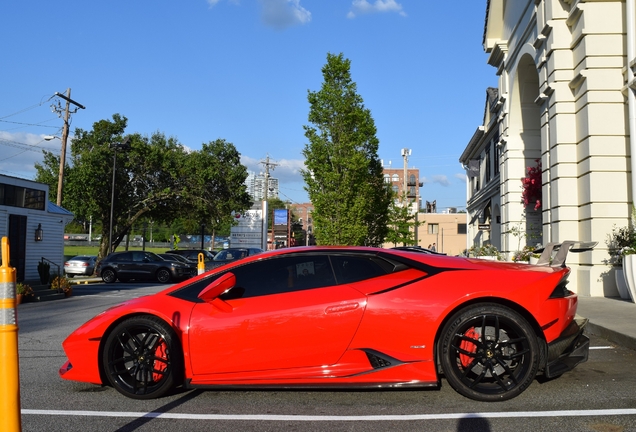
(349, 317)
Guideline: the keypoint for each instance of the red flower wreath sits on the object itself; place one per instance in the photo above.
(531, 185)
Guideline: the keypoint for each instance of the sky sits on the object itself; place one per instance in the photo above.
(240, 70)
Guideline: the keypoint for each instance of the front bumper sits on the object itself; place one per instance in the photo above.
(568, 350)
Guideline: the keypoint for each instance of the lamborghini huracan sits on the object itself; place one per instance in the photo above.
(341, 317)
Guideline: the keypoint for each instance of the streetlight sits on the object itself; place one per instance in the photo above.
(124, 145)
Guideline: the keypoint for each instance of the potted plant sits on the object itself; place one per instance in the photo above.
(61, 284)
(487, 251)
(44, 269)
(526, 254)
(621, 244)
(22, 292)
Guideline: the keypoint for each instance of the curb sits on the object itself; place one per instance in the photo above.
(612, 335)
(85, 281)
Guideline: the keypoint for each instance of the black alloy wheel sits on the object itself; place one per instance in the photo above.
(489, 352)
(141, 358)
(109, 275)
(163, 275)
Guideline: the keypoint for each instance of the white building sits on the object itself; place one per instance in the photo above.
(565, 97)
(33, 225)
(256, 186)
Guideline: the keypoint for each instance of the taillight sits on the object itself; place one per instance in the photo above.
(561, 290)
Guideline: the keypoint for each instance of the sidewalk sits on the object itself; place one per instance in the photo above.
(611, 318)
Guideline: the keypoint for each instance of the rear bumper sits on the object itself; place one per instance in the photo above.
(568, 350)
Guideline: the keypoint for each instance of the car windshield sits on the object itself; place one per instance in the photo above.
(150, 256)
(174, 257)
(230, 254)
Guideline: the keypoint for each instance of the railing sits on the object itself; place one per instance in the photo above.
(51, 262)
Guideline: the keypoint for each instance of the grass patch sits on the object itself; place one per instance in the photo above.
(71, 251)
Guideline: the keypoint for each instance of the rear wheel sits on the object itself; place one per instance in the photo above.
(489, 352)
(141, 358)
(109, 276)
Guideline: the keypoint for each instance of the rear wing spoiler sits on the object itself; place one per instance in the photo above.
(562, 250)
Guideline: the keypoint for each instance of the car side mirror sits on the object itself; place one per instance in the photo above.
(220, 286)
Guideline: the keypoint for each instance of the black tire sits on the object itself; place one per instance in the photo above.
(163, 275)
(109, 275)
(70, 276)
(141, 358)
(495, 369)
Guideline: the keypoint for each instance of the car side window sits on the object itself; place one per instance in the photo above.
(281, 275)
(138, 256)
(123, 257)
(354, 268)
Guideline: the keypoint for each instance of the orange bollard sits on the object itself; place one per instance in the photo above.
(201, 265)
(10, 420)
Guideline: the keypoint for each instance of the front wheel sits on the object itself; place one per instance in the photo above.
(489, 352)
(141, 358)
(163, 275)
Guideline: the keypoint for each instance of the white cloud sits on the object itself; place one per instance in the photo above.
(359, 7)
(441, 180)
(281, 14)
(461, 176)
(286, 170)
(20, 151)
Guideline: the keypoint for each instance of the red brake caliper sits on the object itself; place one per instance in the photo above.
(160, 365)
(468, 346)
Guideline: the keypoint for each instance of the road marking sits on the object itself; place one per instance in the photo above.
(328, 418)
(601, 347)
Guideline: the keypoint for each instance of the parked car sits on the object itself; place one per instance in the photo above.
(81, 265)
(341, 317)
(138, 265)
(179, 258)
(193, 254)
(231, 254)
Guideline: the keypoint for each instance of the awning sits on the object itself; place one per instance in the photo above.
(480, 210)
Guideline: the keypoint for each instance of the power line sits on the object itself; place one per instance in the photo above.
(31, 124)
(23, 146)
(42, 102)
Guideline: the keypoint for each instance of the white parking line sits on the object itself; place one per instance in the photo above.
(328, 418)
(601, 347)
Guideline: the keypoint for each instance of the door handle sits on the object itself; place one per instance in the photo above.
(342, 308)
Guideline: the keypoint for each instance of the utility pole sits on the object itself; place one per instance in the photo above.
(267, 164)
(405, 154)
(58, 109)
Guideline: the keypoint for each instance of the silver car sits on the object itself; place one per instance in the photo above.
(82, 265)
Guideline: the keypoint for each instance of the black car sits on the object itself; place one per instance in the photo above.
(231, 254)
(181, 259)
(124, 266)
(193, 254)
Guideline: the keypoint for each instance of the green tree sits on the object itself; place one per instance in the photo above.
(157, 179)
(343, 173)
(402, 223)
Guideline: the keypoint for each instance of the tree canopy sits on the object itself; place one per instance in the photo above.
(156, 179)
(343, 175)
(402, 222)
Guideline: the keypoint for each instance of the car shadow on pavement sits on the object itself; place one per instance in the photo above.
(147, 418)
